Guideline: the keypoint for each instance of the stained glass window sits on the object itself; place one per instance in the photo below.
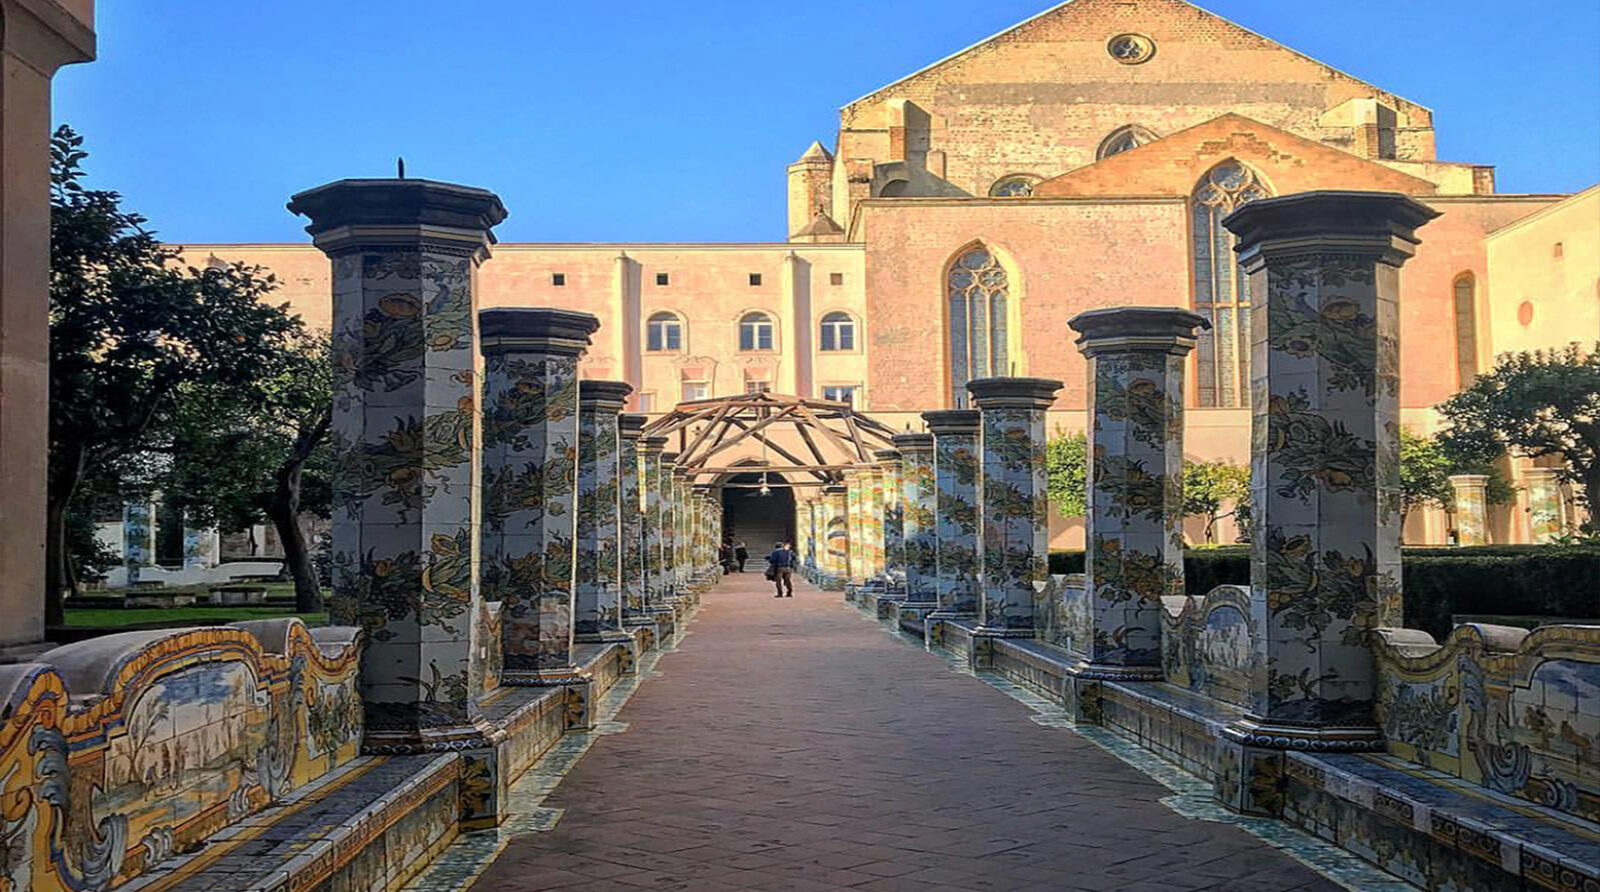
(977, 289)
(1223, 353)
(1122, 139)
(1012, 187)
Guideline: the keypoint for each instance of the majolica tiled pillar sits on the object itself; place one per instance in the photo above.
(918, 504)
(808, 523)
(1137, 357)
(138, 538)
(855, 508)
(667, 481)
(599, 538)
(530, 483)
(680, 501)
(652, 537)
(1015, 546)
(1471, 493)
(631, 499)
(956, 519)
(1546, 519)
(405, 398)
(836, 534)
(1324, 273)
(894, 550)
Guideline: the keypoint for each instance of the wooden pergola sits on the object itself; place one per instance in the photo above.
(835, 437)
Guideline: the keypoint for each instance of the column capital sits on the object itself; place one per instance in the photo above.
(358, 214)
(1381, 225)
(835, 489)
(911, 442)
(668, 458)
(884, 455)
(630, 426)
(609, 396)
(1013, 393)
(943, 422)
(535, 330)
(1137, 329)
(1468, 479)
(652, 444)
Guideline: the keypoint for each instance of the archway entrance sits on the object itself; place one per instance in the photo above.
(757, 520)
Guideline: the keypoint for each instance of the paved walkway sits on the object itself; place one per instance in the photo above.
(795, 745)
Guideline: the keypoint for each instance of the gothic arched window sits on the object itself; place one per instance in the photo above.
(977, 289)
(838, 332)
(1223, 353)
(663, 333)
(1018, 185)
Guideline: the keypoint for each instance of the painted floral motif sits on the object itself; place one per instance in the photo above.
(527, 393)
(1131, 491)
(1123, 575)
(1311, 452)
(956, 473)
(1015, 525)
(598, 522)
(408, 465)
(1310, 591)
(1339, 331)
(1142, 401)
(430, 589)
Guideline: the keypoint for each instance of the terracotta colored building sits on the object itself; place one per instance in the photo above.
(1081, 159)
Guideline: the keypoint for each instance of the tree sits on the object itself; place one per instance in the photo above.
(261, 453)
(1425, 469)
(131, 328)
(1208, 486)
(1536, 404)
(1066, 462)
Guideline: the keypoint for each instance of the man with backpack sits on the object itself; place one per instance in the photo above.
(780, 569)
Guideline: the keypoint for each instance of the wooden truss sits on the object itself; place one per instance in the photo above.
(835, 437)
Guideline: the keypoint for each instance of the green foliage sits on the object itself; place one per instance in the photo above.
(1209, 486)
(1425, 472)
(131, 331)
(1533, 404)
(112, 618)
(1066, 461)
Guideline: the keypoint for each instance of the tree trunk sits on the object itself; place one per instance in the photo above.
(285, 513)
(58, 577)
(1591, 496)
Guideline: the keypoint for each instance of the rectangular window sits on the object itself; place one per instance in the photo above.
(558, 279)
(757, 387)
(695, 390)
(840, 393)
(661, 279)
(835, 278)
(755, 280)
(647, 402)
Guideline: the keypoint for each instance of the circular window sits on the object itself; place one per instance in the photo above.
(1131, 49)
(1017, 186)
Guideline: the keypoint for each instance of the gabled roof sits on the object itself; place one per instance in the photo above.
(816, 151)
(821, 224)
(1064, 8)
(1173, 164)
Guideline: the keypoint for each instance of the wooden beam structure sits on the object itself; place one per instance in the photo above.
(836, 436)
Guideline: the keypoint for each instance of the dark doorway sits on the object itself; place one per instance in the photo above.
(758, 520)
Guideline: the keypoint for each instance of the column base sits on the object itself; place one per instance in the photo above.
(1091, 670)
(604, 636)
(1268, 734)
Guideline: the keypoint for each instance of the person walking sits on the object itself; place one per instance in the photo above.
(780, 569)
(725, 558)
(740, 555)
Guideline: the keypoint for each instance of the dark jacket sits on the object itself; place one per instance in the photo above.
(781, 557)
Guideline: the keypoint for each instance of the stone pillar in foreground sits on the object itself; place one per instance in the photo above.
(630, 497)
(599, 540)
(1546, 519)
(405, 481)
(653, 537)
(835, 528)
(1014, 553)
(1137, 357)
(530, 481)
(918, 501)
(894, 550)
(1471, 493)
(956, 519)
(1324, 275)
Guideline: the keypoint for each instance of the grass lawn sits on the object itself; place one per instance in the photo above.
(95, 618)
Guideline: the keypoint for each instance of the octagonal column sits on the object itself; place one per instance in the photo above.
(855, 507)
(894, 550)
(1014, 503)
(1324, 279)
(631, 500)
(685, 532)
(1471, 493)
(836, 536)
(1135, 524)
(599, 540)
(667, 483)
(530, 482)
(1546, 519)
(405, 398)
(652, 537)
(918, 502)
(955, 469)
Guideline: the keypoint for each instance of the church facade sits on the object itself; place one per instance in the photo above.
(1080, 159)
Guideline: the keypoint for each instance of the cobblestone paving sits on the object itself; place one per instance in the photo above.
(795, 745)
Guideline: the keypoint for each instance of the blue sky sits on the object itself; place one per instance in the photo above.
(673, 121)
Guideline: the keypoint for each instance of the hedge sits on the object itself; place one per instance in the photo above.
(1547, 581)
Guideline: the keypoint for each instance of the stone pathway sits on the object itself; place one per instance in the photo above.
(796, 745)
